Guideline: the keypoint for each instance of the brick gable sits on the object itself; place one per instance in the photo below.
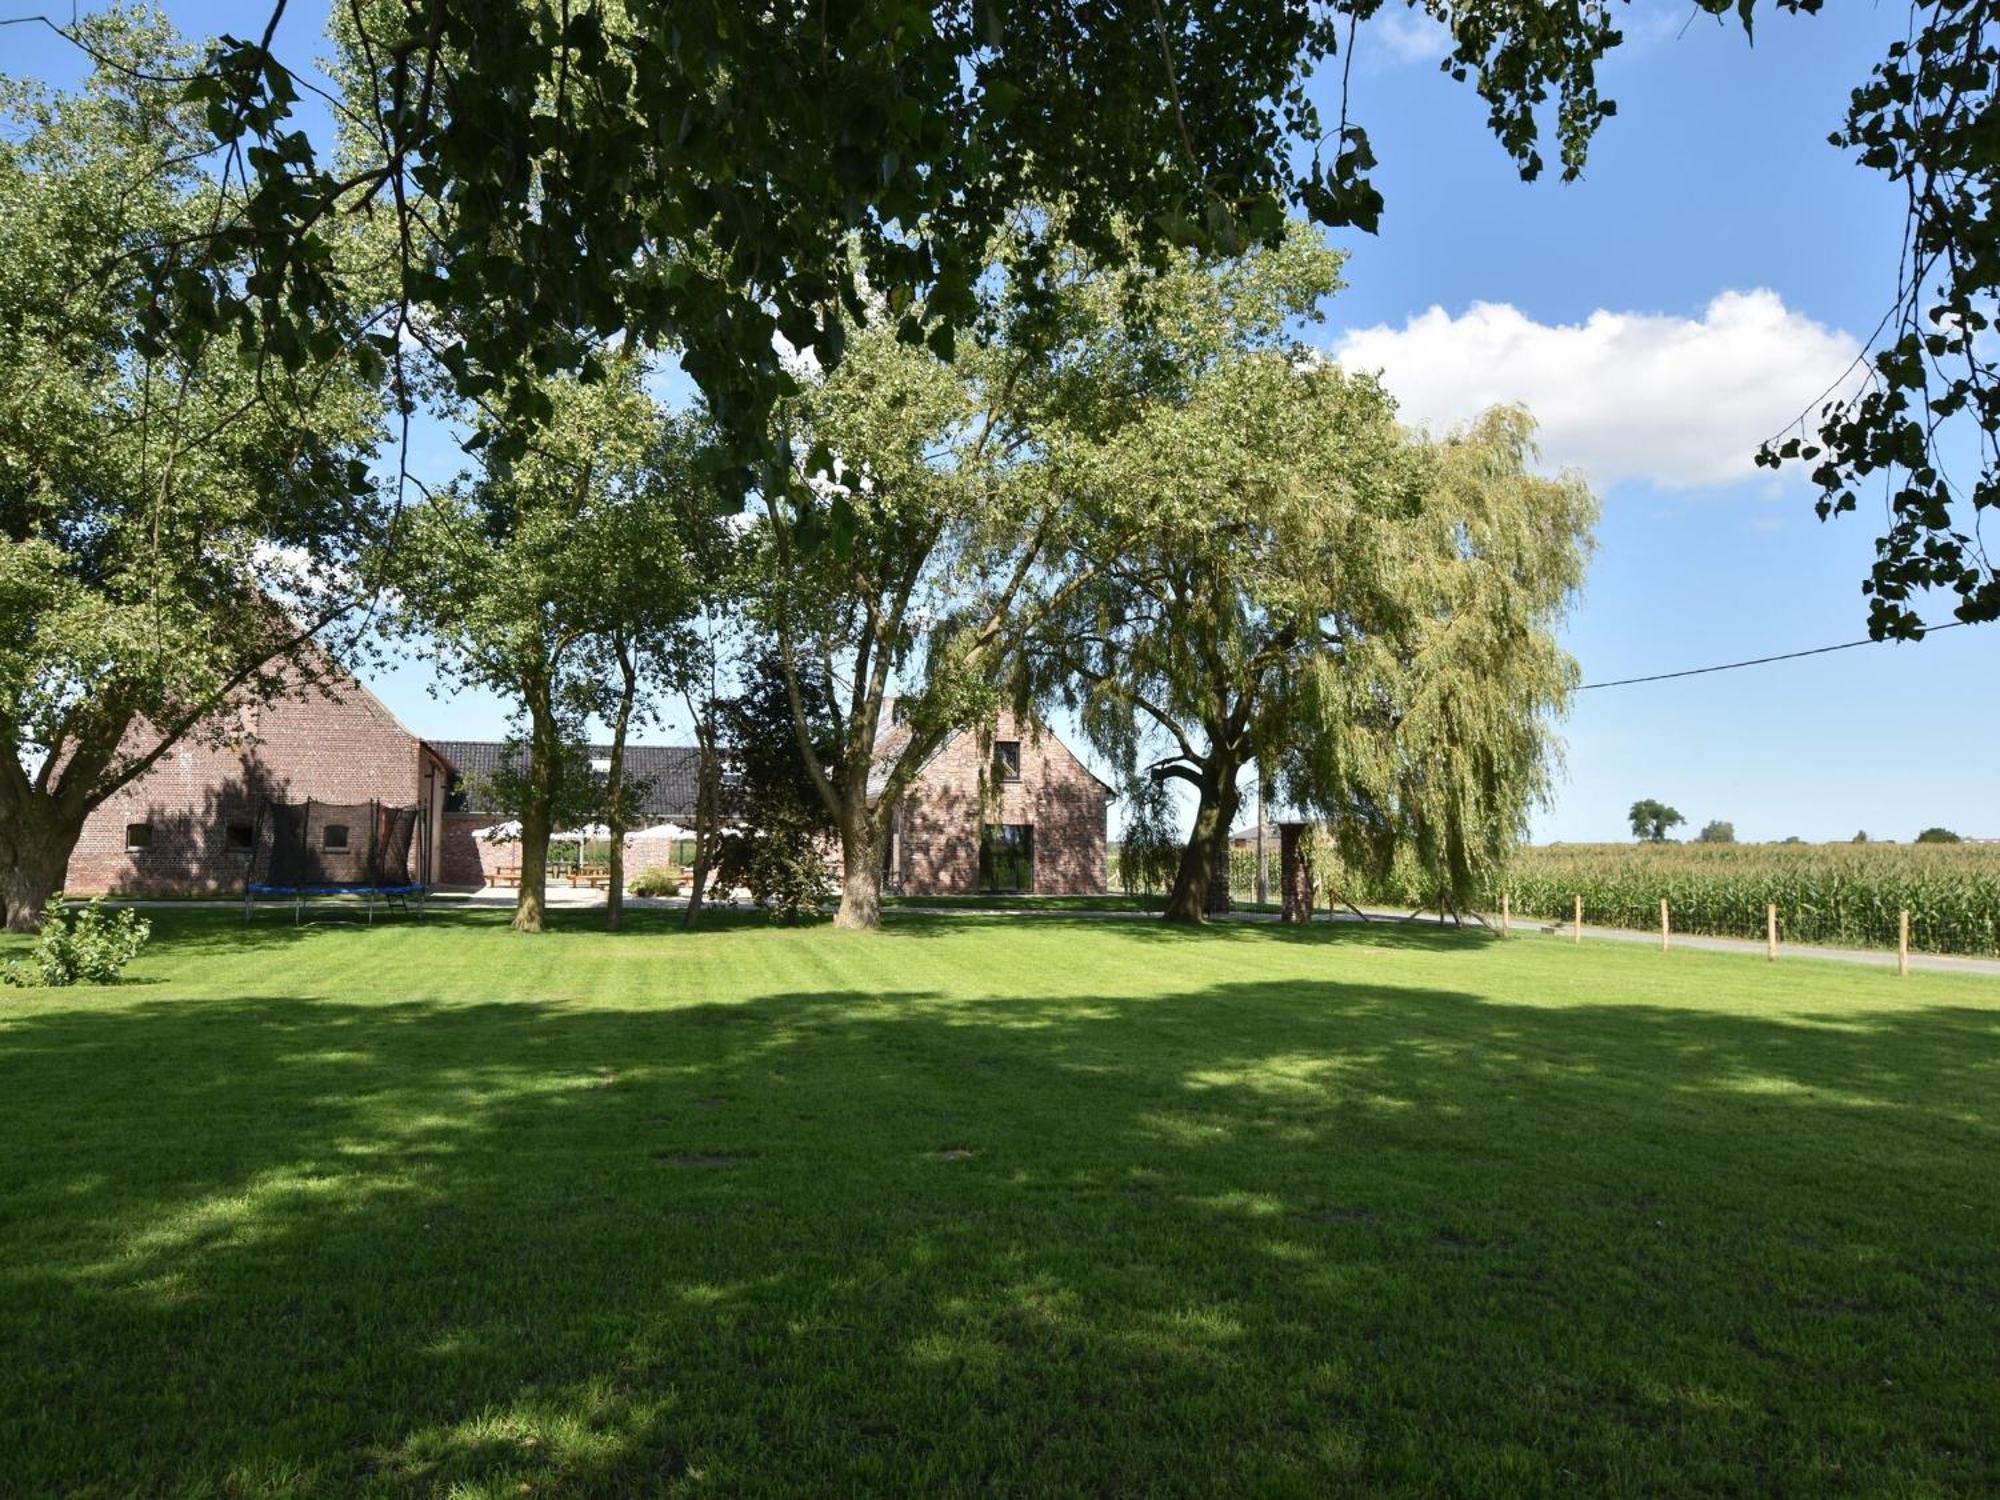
(346, 747)
(938, 826)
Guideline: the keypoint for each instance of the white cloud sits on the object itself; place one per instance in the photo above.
(1409, 36)
(1677, 402)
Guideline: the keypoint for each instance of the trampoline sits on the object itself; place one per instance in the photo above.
(305, 851)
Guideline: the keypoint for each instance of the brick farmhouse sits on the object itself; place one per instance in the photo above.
(1011, 810)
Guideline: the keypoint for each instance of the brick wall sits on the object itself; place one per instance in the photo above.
(465, 857)
(344, 749)
(939, 823)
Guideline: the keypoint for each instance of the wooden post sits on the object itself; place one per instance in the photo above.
(1771, 931)
(1903, 944)
(1505, 920)
(1576, 932)
(1665, 931)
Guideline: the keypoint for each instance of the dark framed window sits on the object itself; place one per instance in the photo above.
(1007, 857)
(239, 836)
(138, 836)
(1007, 760)
(334, 836)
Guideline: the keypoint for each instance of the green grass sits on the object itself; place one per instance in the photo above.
(1030, 1207)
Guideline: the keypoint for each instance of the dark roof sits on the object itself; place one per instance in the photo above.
(667, 770)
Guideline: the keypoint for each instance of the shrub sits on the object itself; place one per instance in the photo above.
(1938, 836)
(85, 947)
(656, 880)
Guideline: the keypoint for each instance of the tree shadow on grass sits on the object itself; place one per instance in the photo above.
(1257, 1236)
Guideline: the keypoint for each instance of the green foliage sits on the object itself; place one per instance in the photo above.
(1938, 836)
(1846, 894)
(781, 829)
(176, 522)
(655, 880)
(80, 947)
(1721, 832)
(1929, 392)
(1652, 818)
(1151, 847)
(709, 176)
(783, 866)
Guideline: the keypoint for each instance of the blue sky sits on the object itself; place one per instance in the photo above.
(1661, 315)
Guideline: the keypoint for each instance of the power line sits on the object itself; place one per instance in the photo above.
(1755, 661)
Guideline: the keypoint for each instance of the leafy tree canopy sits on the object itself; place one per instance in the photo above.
(1651, 819)
(1718, 832)
(176, 525)
(1938, 836)
(696, 175)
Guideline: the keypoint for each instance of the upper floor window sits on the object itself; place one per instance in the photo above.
(1007, 760)
(138, 836)
(334, 836)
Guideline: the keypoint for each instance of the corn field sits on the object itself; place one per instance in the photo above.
(1842, 894)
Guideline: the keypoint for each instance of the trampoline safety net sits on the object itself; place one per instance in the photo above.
(362, 845)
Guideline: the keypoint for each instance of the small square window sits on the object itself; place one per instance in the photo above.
(334, 836)
(138, 836)
(1007, 759)
(239, 836)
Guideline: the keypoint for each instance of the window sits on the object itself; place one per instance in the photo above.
(138, 836)
(240, 836)
(1007, 760)
(1007, 857)
(334, 836)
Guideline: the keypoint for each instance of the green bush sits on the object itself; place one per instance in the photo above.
(656, 880)
(84, 947)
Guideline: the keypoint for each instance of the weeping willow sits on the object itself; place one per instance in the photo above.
(1423, 731)
(1366, 614)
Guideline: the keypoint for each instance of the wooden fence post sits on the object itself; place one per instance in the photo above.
(1903, 944)
(1506, 924)
(1576, 933)
(1771, 931)
(1665, 930)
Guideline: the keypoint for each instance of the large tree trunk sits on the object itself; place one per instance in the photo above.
(707, 811)
(614, 791)
(861, 875)
(34, 860)
(1208, 844)
(544, 777)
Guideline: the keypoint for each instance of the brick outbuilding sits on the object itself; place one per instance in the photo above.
(188, 824)
(1015, 810)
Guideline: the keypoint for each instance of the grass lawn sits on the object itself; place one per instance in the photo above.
(1037, 1207)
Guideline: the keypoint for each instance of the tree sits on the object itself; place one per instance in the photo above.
(919, 539)
(1651, 819)
(1273, 569)
(1938, 836)
(561, 580)
(712, 214)
(782, 826)
(1929, 390)
(1860, 838)
(180, 528)
(1717, 832)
